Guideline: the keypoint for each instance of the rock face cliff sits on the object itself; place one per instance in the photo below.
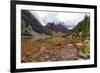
(57, 27)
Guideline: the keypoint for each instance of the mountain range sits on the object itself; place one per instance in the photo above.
(57, 27)
(30, 23)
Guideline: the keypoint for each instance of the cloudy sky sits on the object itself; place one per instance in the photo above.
(70, 19)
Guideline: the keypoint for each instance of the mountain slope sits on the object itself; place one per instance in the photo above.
(82, 30)
(30, 23)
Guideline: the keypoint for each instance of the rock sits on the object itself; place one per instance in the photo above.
(48, 60)
(46, 56)
(70, 45)
(88, 55)
(55, 55)
(42, 55)
(82, 55)
(69, 52)
(43, 50)
(79, 44)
